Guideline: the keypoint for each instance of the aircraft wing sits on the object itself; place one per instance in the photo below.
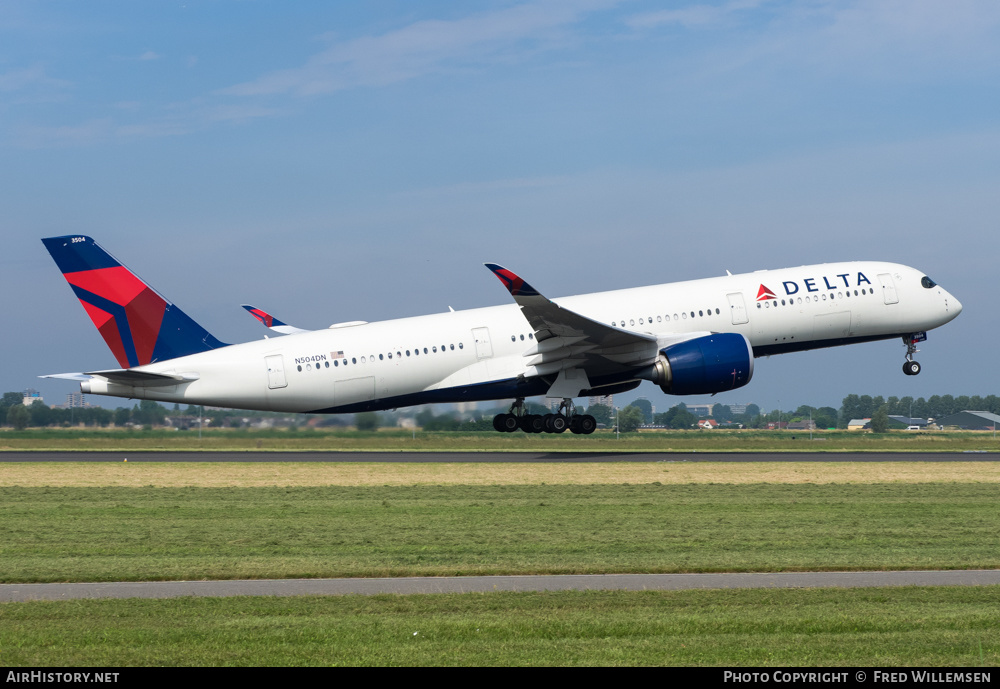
(271, 322)
(568, 340)
(130, 376)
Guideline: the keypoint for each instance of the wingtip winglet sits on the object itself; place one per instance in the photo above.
(512, 281)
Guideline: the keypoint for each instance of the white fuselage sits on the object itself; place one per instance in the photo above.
(476, 354)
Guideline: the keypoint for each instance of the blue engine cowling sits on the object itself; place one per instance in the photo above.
(704, 365)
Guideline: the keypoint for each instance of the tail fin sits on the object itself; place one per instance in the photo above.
(139, 325)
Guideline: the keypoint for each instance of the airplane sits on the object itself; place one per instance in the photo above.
(689, 338)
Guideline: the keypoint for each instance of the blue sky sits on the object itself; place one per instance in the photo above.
(343, 161)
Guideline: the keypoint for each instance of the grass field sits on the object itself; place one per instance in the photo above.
(141, 521)
(77, 439)
(174, 521)
(895, 627)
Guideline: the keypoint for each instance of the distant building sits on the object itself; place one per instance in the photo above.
(31, 396)
(708, 424)
(604, 400)
(971, 421)
(897, 421)
(859, 424)
(805, 425)
(703, 410)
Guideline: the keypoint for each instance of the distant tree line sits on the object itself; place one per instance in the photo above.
(934, 407)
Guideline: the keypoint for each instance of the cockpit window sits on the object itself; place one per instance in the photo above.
(927, 282)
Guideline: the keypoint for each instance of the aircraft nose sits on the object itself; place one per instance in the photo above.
(952, 305)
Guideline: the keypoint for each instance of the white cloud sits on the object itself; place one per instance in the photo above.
(26, 77)
(422, 47)
(692, 16)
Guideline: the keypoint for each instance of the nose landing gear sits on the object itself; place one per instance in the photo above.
(911, 367)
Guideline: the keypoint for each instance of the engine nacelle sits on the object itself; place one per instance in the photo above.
(704, 365)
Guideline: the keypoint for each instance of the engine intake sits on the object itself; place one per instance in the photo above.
(704, 365)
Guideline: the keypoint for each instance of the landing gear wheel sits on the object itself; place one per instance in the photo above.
(911, 368)
(524, 423)
(558, 423)
(508, 424)
(547, 423)
(536, 423)
(498, 421)
(574, 424)
(587, 424)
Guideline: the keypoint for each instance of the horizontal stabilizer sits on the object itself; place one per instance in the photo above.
(130, 376)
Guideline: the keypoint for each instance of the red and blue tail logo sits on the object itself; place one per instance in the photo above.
(139, 325)
(512, 281)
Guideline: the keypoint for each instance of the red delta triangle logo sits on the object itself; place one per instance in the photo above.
(763, 294)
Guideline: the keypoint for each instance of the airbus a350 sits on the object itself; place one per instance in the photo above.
(689, 338)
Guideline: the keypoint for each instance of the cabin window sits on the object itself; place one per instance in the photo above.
(390, 355)
(513, 338)
(425, 350)
(614, 324)
(658, 319)
(407, 352)
(461, 345)
(531, 336)
(631, 322)
(327, 364)
(640, 321)
(522, 338)
(354, 360)
(701, 313)
(299, 367)
(435, 349)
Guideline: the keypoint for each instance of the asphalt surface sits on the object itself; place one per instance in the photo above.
(501, 457)
(575, 582)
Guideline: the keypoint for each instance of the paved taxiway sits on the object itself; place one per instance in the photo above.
(576, 582)
(502, 457)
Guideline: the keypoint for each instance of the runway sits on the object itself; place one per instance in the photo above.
(486, 584)
(498, 457)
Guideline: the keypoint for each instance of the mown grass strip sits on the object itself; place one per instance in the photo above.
(130, 534)
(865, 627)
(262, 474)
(76, 439)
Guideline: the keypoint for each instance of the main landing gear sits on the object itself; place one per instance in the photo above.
(565, 418)
(911, 367)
